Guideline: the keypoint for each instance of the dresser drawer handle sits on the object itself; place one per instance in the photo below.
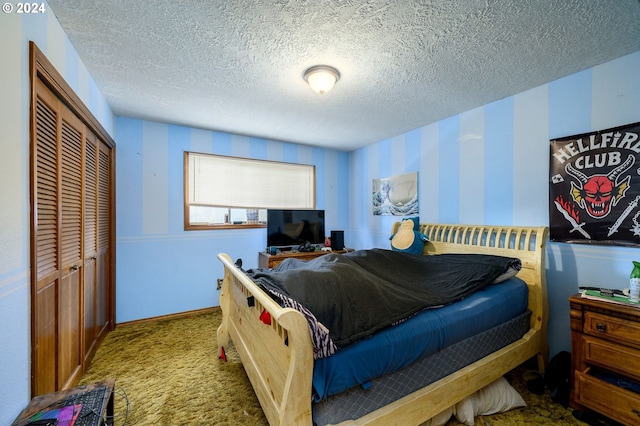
(601, 327)
(636, 411)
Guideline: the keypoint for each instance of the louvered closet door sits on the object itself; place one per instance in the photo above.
(97, 220)
(104, 211)
(46, 237)
(70, 292)
(90, 242)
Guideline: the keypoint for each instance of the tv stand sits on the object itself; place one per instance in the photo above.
(268, 261)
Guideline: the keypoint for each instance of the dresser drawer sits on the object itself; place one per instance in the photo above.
(612, 328)
(612, 401)
(611, 356)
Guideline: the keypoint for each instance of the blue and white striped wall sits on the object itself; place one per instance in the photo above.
(162, 269)
(15, 335)
(490, 166)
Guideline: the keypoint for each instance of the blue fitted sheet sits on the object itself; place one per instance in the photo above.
(422, 335)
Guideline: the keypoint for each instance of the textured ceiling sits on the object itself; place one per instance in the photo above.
(237, 65)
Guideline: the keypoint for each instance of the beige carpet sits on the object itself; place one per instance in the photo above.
(170, 373)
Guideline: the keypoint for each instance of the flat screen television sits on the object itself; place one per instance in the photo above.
(290, 228)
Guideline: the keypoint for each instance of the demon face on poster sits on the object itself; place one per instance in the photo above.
(595, 187)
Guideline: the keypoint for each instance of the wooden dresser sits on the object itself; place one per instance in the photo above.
(605, 374)
(268, 261)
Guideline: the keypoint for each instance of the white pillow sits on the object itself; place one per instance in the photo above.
(439, 419)
(496, 397)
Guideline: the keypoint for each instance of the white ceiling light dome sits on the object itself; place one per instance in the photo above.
(321, 78)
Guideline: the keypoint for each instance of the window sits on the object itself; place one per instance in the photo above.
(231, 192)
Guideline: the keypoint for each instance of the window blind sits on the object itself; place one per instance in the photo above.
(222, 181)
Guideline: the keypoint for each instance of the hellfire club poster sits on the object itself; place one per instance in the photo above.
(595, 187)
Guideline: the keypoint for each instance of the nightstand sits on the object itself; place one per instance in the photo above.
(605, 374)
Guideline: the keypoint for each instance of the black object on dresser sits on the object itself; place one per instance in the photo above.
(337, 240)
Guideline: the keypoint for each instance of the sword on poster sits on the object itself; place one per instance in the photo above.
(572, 221)
(632, 205)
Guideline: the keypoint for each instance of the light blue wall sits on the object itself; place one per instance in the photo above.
(162, 269)
(490, 166)
(17, 31)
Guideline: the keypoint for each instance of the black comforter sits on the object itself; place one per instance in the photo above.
(358, 293)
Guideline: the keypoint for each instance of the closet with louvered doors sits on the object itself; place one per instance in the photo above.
(72, 232)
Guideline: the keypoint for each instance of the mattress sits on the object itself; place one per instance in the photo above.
(420, 336)
(357, 402)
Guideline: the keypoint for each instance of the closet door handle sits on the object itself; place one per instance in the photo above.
(74, 268)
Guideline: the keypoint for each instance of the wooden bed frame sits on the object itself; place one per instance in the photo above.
(278, 357)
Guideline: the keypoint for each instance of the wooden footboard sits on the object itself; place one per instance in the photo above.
(275, 346)
(273, 343)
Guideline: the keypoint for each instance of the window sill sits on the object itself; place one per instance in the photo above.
(204, 227)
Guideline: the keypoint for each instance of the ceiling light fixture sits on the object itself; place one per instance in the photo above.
(321, 78)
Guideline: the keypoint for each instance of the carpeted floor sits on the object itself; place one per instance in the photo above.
(167, 373)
